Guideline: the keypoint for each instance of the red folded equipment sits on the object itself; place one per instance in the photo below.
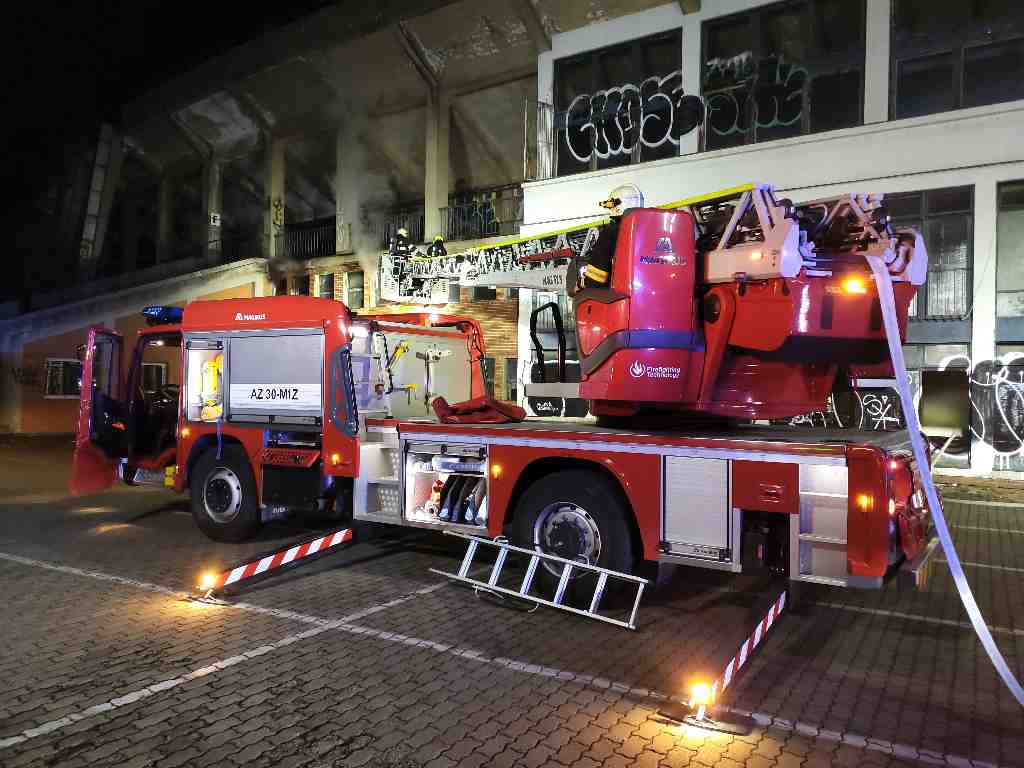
(479, 410)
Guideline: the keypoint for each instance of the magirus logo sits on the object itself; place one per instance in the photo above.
(639, 370)
(240, 316)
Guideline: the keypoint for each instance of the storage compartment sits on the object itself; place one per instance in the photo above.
(819, 537)
(276, 378)
(696, 493)
(446, 485)
(204, 384)
(376, 494)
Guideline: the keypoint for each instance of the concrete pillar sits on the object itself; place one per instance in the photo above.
(876, 69)
(435, 193)
(11, 360)
(105, 174)
(165, 219)
(212, 203)
(983, 316)
(130, 234)
(349, 176)
(273, 183)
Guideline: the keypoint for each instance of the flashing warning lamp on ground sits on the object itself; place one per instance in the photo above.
(211, 390)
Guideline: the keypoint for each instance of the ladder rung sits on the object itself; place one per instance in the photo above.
(563, 583)
(636, 605)
(498, 563)
(531, 570)
(602, 581)
(467, 560)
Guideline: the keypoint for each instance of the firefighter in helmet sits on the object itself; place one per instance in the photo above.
(593, 267)
(437, 247)
(401, 245)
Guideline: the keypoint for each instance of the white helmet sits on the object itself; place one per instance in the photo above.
(622, 198)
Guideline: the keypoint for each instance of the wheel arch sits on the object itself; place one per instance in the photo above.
(549, 465)
(205, 442)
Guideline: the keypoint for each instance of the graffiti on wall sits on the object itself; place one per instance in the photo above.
(616, 120)
(996, 396)
(773, 88)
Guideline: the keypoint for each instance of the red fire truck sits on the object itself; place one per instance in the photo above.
(287, 404)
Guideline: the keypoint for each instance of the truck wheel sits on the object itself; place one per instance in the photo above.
(575, 514)
(224, 503)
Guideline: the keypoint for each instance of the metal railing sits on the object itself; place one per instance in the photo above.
(307, 241)
(538, 140)
(489, 213)
(381, 226)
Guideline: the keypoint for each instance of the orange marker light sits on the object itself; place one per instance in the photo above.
(755, 255)
(335, 459)
(892, 507)
(864, 501)
(854, 285)
(185, 431)
(495, 471)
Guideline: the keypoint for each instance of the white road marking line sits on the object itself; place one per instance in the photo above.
(980, 503)
(983, 528)
(344, 624)
(918, 617)
(987, 566)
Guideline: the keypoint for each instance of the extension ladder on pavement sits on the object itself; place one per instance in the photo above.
(568, 566)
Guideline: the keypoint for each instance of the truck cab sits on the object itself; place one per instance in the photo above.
(256, 406)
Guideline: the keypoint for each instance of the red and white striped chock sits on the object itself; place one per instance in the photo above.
(747, 648)
(269, 562)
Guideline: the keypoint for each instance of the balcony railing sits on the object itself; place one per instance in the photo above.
(489, 213)
(307, 240)
(382, 226)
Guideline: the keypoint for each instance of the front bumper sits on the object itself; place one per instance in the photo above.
(916, 573)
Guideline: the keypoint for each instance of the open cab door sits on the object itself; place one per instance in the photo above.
(102, 437)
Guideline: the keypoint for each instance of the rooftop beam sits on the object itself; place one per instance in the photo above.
(527, 12)
(414, 52)
(333, 26)
(689, 6)
(199, 145)
(468, 122)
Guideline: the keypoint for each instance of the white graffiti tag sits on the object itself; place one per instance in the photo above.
(614, 121)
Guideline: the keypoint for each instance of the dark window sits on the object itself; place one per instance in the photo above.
(951, 54)
(63, 378)
(1010, 250)
(511, 379)
(154, 376)
(454, 296)
(356, 295)
(487, 369)
(484, 294)
(326, 286)
(302, 285)
(281, 287)
(783, 70)
(622, 104)
(945, 217)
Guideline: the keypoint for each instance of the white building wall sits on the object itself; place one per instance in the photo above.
(980, 147)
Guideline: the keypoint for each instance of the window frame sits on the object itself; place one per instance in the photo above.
(348, 289)
(920, 221)
(809, 26)
(594, 56)
(955, 42)
(320, 285)
(46, 377)
(1000, 209)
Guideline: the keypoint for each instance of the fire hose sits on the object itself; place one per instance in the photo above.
(883, 281)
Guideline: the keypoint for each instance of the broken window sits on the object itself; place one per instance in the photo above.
(950, 54)
(784, 70)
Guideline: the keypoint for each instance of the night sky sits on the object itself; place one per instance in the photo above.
(71, 66)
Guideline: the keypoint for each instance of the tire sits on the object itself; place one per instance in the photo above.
(224, 503)
(560, 514)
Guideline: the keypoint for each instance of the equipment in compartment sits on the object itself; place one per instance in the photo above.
(446, 484)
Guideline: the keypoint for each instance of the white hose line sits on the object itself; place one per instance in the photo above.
(892, 332)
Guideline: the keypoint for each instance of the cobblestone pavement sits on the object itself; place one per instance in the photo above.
(365, 657)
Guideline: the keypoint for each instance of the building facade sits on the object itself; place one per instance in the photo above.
(923, 102)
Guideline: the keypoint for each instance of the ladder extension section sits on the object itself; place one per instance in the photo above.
(568, 567)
